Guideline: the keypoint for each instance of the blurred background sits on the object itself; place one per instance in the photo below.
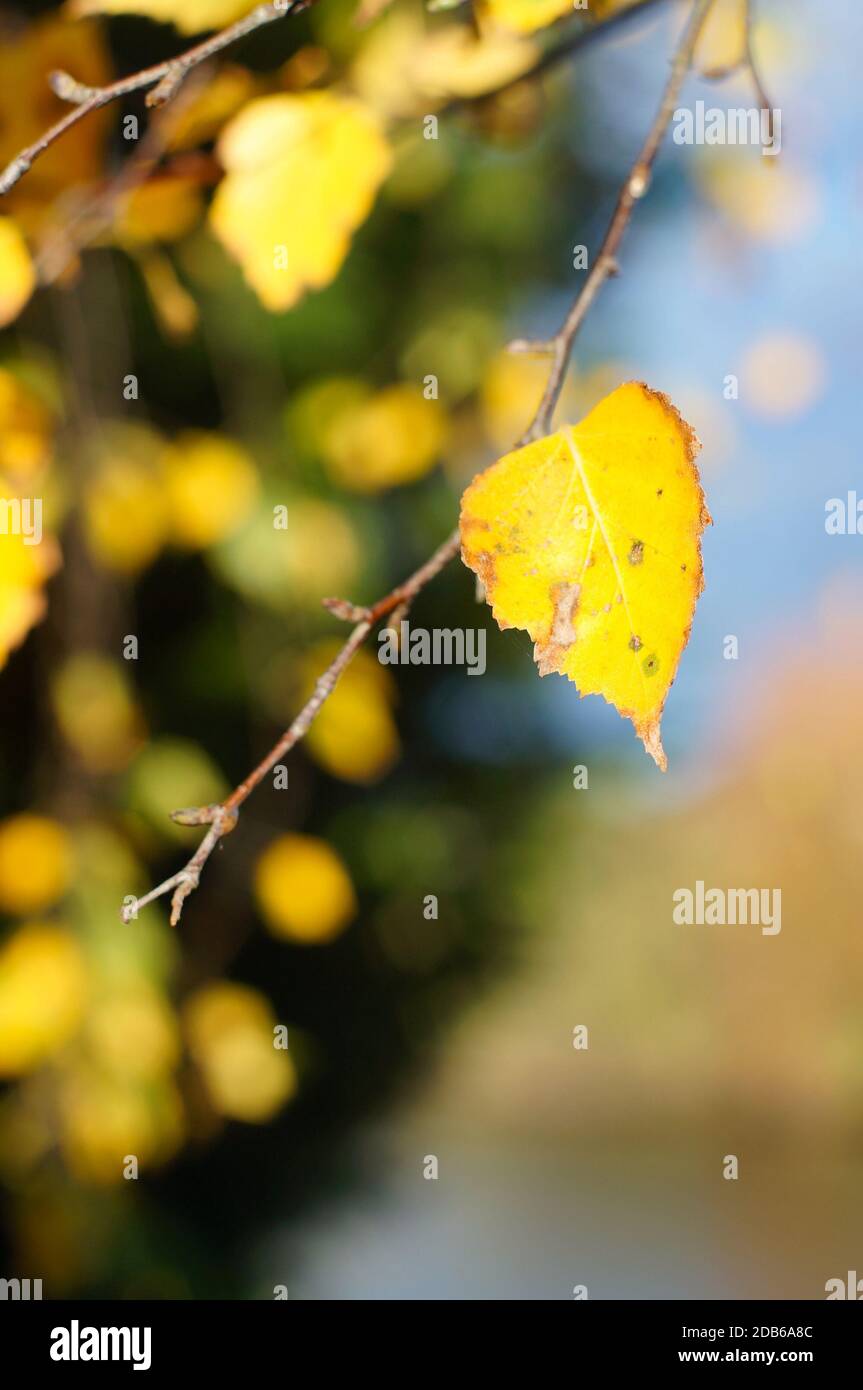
(165, 408)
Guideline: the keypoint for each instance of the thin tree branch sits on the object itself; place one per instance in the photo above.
(761, 96)
(223, 818)
(559, 348)
(748, 61)
(163, 78)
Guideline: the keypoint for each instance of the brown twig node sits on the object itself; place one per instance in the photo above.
(347, 611)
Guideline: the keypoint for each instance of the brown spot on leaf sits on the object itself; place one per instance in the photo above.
(550, 657)
(636, 554)
(635, 643)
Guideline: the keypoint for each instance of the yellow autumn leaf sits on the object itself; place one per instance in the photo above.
(125, 507)
(190, 16)
(17, 274)
(523, 16)
(721, 44)
(303, 890)
(104, 1119)
(590, 541)
(456, 63)
(392, 437)
(319, 554)
(211, 485)
(133, 1030)
(301, 176)
(407, 68)
(22, 606)
(27, 560)
(26, 425)
(36, 863)
(94, 706)
(43, 989)
(231, 1036)
(163, 209)
(174, 308)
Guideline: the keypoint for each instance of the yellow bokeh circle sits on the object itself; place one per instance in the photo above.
(36, 863)
(303, 889)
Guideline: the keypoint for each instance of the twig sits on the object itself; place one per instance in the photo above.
(747, 61)
(163, 78)
(761, 96)
(559, 348)
(223, 818)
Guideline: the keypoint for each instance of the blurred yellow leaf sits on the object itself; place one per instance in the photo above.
(230, 1029)
(590, 540)
(722, 42)
(17, 274)
(383, 69)
(407, 68)
(191, 16)
(26, 562)
(310, 413)
(173, 306)
(35, 863)
(319, 553)
(96, 711)
(125, 509)
(133, 1032)
(303, 889)
(210, 484)
(354, 736)
(43, 987)
(302, 173)
(26, 427)
(323, 553)
(106, 1120)
(162, 209)
(523, 16)
(382, 440)
(455, 62)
